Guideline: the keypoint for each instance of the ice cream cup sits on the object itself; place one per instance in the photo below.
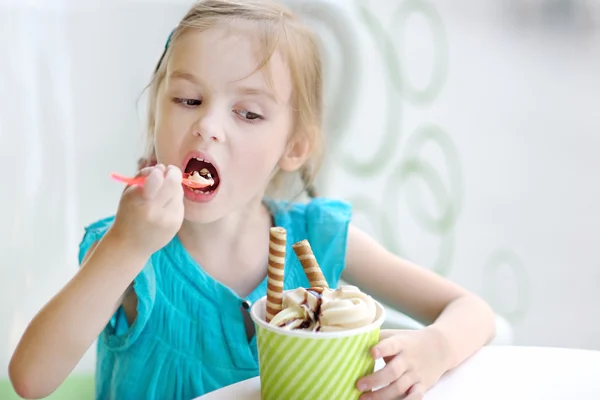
(313, 365)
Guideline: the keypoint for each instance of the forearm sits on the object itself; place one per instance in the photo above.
(463, 327)
(61, 333)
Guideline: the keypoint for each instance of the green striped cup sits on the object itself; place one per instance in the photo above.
(313, 365)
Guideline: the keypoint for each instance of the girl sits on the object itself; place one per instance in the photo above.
(164, 284)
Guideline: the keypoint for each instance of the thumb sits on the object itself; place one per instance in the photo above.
(148, 170)
(154, 177)
(142, 172)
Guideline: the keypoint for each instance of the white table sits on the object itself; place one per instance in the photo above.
(495, 373)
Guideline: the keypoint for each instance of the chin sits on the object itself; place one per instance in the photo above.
(200, 213)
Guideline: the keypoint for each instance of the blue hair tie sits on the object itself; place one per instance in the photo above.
(164, 51)
(169, 38)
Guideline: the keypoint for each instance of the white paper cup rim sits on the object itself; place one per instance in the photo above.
(258, 311)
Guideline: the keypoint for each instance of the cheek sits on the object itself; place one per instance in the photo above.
(258, 155)
(167, 136)
(165, 118)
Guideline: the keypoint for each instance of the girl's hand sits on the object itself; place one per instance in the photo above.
(150, 216)
(415, 361)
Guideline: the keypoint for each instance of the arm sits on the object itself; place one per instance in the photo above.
(61, 333)
(460, 322)
(148, 217)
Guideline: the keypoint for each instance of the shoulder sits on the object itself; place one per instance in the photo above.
(323, 210)
(92, 234)
(324, 222)
(318, 220)
(315, 211)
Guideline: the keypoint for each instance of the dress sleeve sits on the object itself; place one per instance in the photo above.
(118, 333)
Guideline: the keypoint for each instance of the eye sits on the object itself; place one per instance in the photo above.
(187, 102)
(249, 115)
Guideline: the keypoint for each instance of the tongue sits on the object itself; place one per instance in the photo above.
(195, 165)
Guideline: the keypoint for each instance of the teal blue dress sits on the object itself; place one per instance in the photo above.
(189, 337)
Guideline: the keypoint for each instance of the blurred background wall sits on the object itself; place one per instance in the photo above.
(465, 133)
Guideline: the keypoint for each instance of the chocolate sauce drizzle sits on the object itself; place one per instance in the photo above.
(317, 292)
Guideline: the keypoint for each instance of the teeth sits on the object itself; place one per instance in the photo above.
(199, 159)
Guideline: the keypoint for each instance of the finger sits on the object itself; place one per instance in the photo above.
(390, 346)
(141, 172)
(386, 375)
(153, 183)
(171, 185)
(386, 333)
(416, 392)
(394, 390)
(172, 190)
(174, 175)
(145, 171)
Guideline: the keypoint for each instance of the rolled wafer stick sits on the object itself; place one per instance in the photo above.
(277, 243)
(309, 264)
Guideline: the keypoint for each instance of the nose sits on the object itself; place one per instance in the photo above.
(210, 127)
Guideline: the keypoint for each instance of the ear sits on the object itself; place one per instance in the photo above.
(295, 154)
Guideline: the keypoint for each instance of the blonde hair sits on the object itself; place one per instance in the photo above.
(278, 29)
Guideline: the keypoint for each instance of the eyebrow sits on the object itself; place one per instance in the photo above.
(184, 75)
(252, 91)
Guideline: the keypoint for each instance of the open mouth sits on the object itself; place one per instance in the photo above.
(199, 169)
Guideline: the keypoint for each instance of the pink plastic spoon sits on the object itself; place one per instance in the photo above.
(141, 179)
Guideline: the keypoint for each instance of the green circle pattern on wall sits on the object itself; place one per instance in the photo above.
(508, 260)
(391, 139)
(447, 199)
(411, 164)
(324, 16)
(440, 63)
(342, 95)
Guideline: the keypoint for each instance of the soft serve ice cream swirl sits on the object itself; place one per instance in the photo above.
(322, 309)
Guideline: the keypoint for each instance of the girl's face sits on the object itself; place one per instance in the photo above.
(214, 115)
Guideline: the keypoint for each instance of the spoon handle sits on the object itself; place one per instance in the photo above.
(141, 179)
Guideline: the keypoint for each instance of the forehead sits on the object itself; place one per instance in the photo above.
(222, 58)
